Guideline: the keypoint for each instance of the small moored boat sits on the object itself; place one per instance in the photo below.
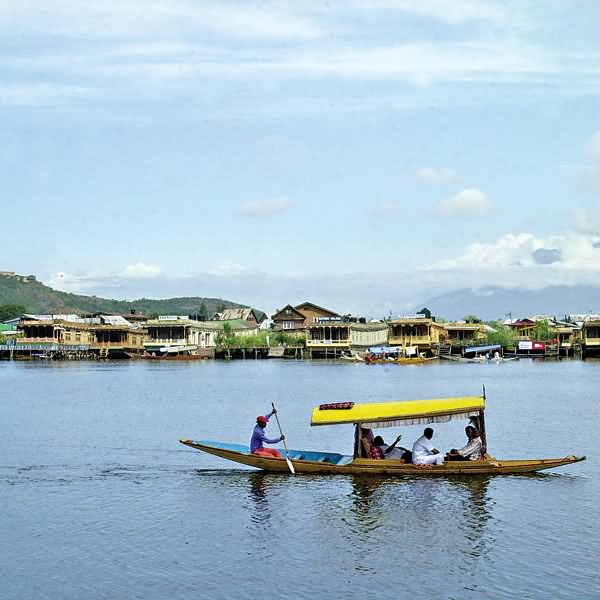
(352, 358)
(385, 414)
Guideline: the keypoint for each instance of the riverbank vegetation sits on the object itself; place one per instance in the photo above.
(263, 339)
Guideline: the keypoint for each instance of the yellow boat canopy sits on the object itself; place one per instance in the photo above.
(392, 414)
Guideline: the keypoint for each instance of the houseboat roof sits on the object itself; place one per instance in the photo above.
(463, 326)
(316, 307)
(288, 312)
(50, 318)
(391, 414)
(415, 320)
(355, 326)
(236, 324)
(114, 320)
(234, 314)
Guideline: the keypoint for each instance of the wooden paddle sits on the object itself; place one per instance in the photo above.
(287, 454)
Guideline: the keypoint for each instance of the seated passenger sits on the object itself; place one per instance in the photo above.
(390, 451)
(369, 448)
(471, 451)
(423, 451)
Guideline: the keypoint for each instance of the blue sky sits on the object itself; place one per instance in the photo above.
(361, 155)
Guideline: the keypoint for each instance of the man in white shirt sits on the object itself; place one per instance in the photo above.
(424, 453)
(471, 451)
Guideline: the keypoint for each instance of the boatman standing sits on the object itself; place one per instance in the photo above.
(424, 452)
(259, 438)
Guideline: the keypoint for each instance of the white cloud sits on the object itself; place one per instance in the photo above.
(227, 270)
(137, 18)
(265, 208)
(454, 12)
(436, 175)
(168, 48)
(41, 94)
(512, 249)
(72, 282)
(141, 270)
(518, 260)
(417, 62)
(521, 260)
(85, 282)
(572, 252)
(470, 202)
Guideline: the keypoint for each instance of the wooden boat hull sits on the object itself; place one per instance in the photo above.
(175, 357)
(398, 361)
(403, 360)
(325, 463)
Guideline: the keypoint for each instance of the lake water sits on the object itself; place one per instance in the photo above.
(99, 500)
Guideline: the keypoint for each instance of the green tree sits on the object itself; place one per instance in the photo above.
(543, 331)
(204, 310)
(10, 311)
(502, 334)
(472, 319)
(426, 312)
(227, 337)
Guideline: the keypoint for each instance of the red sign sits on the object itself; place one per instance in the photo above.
(538, 345)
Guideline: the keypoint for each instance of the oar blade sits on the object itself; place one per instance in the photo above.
(290, 465)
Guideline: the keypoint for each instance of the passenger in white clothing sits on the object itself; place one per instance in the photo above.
(472, 450)
(424, 453)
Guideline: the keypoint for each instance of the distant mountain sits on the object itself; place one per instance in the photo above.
(41, 299)
(496, 303)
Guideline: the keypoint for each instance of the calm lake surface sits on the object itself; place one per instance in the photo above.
(99, 500)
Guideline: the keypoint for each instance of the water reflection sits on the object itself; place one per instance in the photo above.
(447, 515)
(259, 497)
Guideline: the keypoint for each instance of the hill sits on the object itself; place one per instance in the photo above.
(496, 303)
(41, 299)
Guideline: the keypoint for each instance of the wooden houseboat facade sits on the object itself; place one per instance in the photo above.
(590, 337)
(330, 339)
(416, 331)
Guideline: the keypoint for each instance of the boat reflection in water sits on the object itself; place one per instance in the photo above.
(446, 518)
(442, 520)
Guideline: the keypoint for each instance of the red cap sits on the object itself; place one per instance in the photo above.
(261, 419)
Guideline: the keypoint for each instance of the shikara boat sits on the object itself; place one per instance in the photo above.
(395, 360)
(352, 358)
(174, 357)
(385, 414)
(396, 355)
